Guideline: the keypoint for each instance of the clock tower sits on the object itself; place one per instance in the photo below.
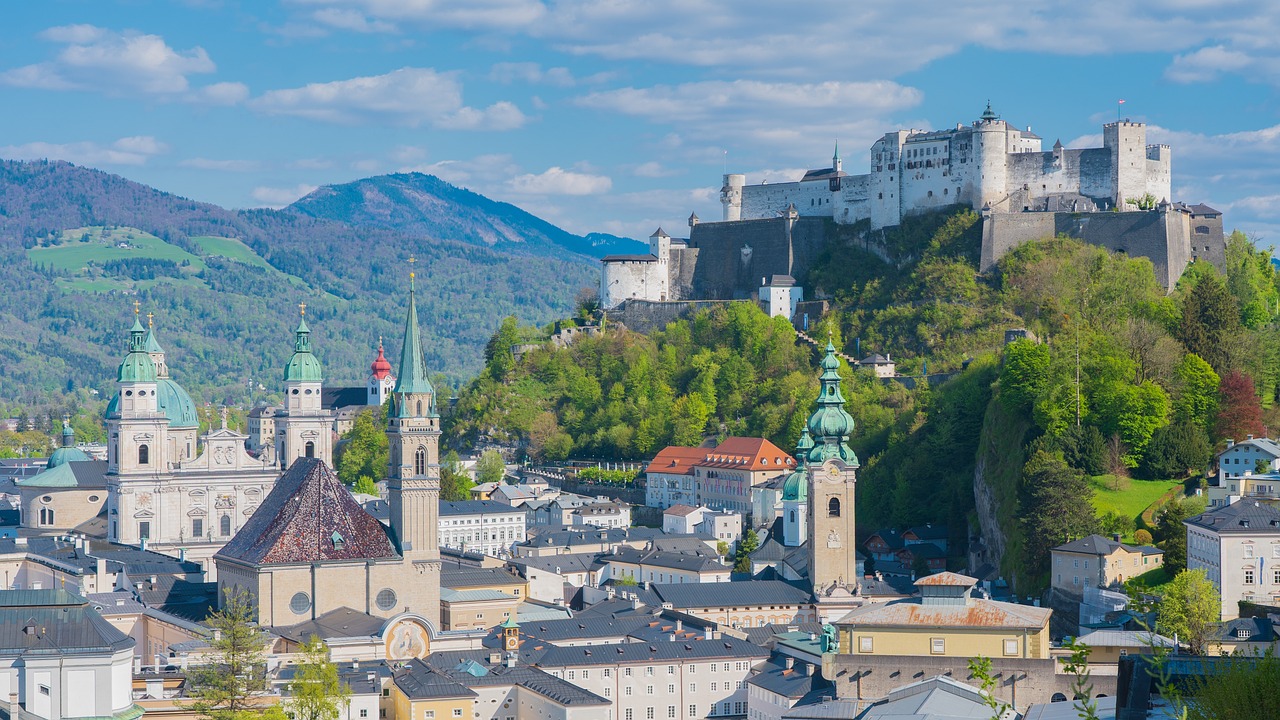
(832, 469)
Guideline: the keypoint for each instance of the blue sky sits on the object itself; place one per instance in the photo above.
(620, 115)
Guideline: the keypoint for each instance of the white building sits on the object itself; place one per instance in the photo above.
(602, 515)
(669, 477)
(61, 659)
(718, 524)
(1238, 547)
(482, 526)
(657, 566)
(780, 294)
(642, 277)
(1240, 462)
(682, 678)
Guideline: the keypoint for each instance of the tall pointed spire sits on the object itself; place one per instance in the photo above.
(413, 377)
(835, 158)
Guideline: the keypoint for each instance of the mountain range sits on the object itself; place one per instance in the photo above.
(78, 246)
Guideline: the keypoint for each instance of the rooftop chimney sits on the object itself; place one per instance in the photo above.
(789, 662)
(808, 669)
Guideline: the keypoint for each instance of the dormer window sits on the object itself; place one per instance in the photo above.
(338, 542)
(1244, 633)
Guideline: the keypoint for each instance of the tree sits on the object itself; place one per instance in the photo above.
(490, 468)
(722, 549)
(1025, 373)
(1190, 610)
(1084, 449)
(742, 559)
(365, 451)
(1055, 506)
(1196, 396)
(1175, 449)
(1242, 687)
(316, 691)
(365, 486)
(455, 486)
(1173, 535)
(498, 356)
(1239, 412)
(1210, 316)
(233, 686)
(1142, 537)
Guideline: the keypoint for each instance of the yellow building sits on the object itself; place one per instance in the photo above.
(1096, 561)
(946, 620)
(420, 693)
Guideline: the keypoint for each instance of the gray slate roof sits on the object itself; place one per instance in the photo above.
(730, 594)
(641, 652)
(476, 507)
(418, 681)
(794, 682)
(339, 622)
(54, 622)
(462, 576)
(1242, 517)
(1099, 545)
(700, 562)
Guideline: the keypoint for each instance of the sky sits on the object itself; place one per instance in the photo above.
(621, 115)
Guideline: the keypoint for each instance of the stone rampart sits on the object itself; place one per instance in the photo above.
(646, 316)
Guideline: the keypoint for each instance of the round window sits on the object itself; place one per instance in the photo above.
(46, 499)
(128, 393)
(295, 391)
(93, 498)
(300, 603)
(308, 391)
(386, 599)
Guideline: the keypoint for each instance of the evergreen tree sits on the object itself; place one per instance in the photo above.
(316, 691)
(1055, 507)
(1175, 449)
(365, 452)
(1196, 391)
(233, 685)
(1173, 535)
(1210, 317)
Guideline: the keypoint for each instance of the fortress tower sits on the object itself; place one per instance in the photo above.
(1127, 142)
(731, 196)
(990, 150)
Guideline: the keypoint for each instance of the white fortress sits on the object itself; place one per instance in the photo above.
(989, 165)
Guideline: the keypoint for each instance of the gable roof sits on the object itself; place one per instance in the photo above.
(730, 594)
(309, 516)
(747, 454)
(680, 510)
(1100, 545)
(676, 460)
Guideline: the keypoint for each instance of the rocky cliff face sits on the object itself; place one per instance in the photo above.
(996, 476)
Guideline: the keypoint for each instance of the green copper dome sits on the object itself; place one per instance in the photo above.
(796, 486)
(831, 425)
(176, 404)
(64, 455)
(303, 365)
(137, 365)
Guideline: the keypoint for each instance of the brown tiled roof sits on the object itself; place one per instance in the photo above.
(747, 454)
(676, 460)
(309, 516)
(977, 613)
(948, 578)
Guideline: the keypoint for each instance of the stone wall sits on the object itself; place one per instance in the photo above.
(734, 257)
(646, 316)
(1021, 681)
(1162, 236)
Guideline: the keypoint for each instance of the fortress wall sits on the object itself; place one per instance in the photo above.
(767, 201)
(1036, 175)
(928, 188)
(733, 257)
(646, 316)
(683, 262)
(1208, 241)
(851, 203)
(1095, 173)
(1160, 236)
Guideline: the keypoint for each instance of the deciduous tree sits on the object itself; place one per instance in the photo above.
(1239, 411)
(1190, 610)
(316, 691)
(490, 467)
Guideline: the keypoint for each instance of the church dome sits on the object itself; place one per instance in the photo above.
(303, 365)
(831, 421)
(796, 487)
(176, 404)
(137, 367)
(64, 455)
(173, 401)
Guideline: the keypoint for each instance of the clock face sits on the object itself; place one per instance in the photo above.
(833, 471)
(511, 643)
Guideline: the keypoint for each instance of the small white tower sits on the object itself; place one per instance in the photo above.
(381, 381)
(731, 196)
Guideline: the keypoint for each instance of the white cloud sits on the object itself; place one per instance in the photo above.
(531, 72)
(278, 197)
(483, 174)
(700, 100)
(469, 14)
(409, 96)
(134, 150)
(200, 163)
(558, 181)
(653, 169)
(341, 19)
(122, 64)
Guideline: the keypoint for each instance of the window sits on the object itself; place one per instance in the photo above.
(46, 516)
(693, 687)
(715, 687)
(225, 524)
(420, 461)
(608, 672)
(628, 715)
(364, 713)
(197, 527)
(144, 530)
(1248, 576)
(671, 711)
(648, 713)
(608, 691)
(1248, 551)
(310, 449)
(671, 689)
(937, 646)
(627, 691)
(300, 603)
(671, 669)
(1010, 647)
(865, 644)
(648, 689)
(144, 455)
(833, 508)
(626, 672)
(457, 712)
(648, 671)
(693, 711)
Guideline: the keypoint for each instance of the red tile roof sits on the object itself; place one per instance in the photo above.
(677, 460)
(739, 453)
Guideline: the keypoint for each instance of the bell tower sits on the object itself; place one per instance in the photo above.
(304, 429)
(413, 481)
(832, 469)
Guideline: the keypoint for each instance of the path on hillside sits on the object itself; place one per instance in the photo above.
(805, 337)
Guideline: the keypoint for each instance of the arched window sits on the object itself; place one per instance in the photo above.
(419, 413)
(225, 524)
(144, 455)
(833, 508)
(311, 449)
(46, 516)
(420, 461)
(793, 516)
